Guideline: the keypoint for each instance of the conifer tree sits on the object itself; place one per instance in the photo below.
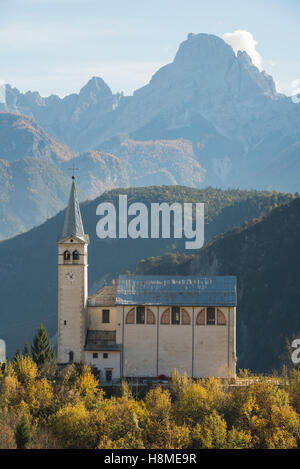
(26, 350)
(41, 348)
(17, 354)
(22, 433)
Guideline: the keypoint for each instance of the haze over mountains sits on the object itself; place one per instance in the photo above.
(209, 118)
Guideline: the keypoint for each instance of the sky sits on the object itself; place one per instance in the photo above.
(56, 46)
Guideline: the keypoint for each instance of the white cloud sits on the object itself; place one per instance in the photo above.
(244, 41)
(296, 86)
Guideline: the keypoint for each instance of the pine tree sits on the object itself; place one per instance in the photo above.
(26, 350)
(17, 354)
(22, 433)
(41, 348)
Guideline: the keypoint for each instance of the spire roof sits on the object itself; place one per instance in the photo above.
(73, 223)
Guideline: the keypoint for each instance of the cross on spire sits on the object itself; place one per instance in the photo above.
(73, 169)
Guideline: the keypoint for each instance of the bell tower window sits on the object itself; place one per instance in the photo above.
(67, 255)
(75, 255)
(71, 356)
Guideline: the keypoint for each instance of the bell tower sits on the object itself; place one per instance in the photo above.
(72, 284)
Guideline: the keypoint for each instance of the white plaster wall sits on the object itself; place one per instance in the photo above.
(175, 346)
(112, 362)
(212, 356)
(140, 350)
(214, 346)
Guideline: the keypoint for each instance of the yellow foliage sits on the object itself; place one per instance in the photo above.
(40, 397)
(211, 433)
(11, 391)
(128, 442)
(25, 369)
(238, 439)
(73, 427)
(68, 410)
(86, 384)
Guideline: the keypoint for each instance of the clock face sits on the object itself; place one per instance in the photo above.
(70, 276)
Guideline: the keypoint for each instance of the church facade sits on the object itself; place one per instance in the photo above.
(142, 326)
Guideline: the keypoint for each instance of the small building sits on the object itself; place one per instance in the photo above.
(142, 326)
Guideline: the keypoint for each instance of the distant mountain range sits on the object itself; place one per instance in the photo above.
(35, 170)
(209, 118)
(230, 111)
(28, 269)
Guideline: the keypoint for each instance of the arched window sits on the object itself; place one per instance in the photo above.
(71, 356)
(150, 317)
(165, 317)
(221, 319)
(130, 316)
(186, 318)
(75, 255)
(67, 255)
(200, 319)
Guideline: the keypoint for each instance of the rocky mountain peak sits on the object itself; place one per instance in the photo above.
(96, 86)
(202, 49)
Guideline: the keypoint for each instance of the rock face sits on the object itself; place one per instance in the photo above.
(71, 119)
(20, 136)
(158, 162)
(35, 174)
(205, 78)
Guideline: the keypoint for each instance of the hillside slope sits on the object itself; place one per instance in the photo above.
(35, 170)
(265, 257)
(28, 270)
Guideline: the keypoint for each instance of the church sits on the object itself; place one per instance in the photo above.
(142, 326)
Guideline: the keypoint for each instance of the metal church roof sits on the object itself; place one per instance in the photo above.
(73, 223)
(176, 290)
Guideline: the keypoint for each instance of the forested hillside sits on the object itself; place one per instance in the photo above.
(265, 256)
(28, 270)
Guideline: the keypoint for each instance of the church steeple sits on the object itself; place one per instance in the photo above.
(72, 284)
(73, 222)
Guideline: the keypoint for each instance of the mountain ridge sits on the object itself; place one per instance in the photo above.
(213, 119)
